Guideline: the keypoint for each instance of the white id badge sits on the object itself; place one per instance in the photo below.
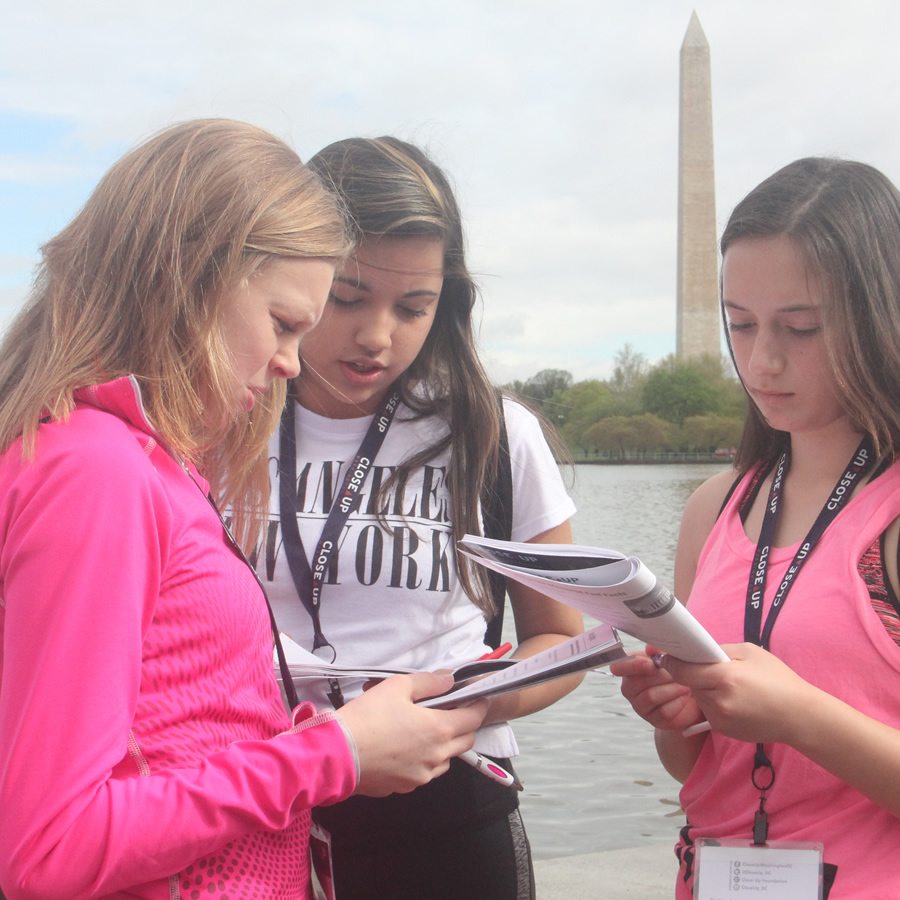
(778, 870)
(320, 855)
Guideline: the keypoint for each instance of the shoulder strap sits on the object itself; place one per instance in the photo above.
(497, 512)
(728, 494)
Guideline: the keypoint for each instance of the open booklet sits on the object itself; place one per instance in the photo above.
(605, 584)
(618, 590)
(596, 647)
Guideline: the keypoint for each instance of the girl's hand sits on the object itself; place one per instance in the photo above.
(755, 697)
(402, 745)
(654, 695)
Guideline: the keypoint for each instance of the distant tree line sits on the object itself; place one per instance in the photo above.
(668, 410)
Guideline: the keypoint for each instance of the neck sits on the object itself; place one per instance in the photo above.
(822, 454)
(324, 400)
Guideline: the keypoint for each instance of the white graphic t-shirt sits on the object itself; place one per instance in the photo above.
(392, 597)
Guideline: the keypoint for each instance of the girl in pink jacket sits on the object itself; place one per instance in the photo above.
(145, 750)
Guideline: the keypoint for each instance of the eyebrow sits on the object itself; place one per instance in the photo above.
(360, 285)
(797, 307)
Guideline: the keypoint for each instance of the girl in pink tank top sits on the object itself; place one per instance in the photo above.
(790, 752)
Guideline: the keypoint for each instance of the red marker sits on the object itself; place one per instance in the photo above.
(500, 652)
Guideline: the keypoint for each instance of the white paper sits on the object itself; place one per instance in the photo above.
(734, 869)
(605, 584)
(304, 665)
(598, 646)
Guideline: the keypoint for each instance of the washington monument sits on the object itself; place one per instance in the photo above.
(697, 331)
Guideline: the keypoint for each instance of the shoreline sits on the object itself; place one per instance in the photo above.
(637, 873)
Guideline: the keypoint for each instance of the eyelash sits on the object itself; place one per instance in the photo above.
(795, 332)
(405, 311)
(282, 327)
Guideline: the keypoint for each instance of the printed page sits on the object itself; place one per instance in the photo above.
(618, 590)
(305, 665)
(598, 646)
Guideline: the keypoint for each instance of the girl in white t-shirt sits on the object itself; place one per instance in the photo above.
(391, 388)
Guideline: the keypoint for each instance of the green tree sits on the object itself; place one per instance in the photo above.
(627, 382)
(674, 390)
(624, 436)
(543, 390)
(613, 435)
(547, 382)
(711, 432)
(581, 405)
(649, 432)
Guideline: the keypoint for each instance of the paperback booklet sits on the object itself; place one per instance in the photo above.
(613, 588)
(618, 590)
(596, 647)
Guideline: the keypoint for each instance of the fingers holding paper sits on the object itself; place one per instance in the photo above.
(654, 695)
(755, 697)
(402, 745)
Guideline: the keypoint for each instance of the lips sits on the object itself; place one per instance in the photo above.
(364, 368)
(361, 372)
(770, 395)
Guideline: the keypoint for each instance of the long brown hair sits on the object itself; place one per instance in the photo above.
(844, 217)
(133, 286)
(391, 188)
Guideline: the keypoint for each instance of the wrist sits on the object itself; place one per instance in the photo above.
(352, 745)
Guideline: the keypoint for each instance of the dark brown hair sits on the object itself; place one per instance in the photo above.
(844, 218)
(392, 189)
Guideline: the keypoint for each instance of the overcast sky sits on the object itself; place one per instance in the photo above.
(556, 120)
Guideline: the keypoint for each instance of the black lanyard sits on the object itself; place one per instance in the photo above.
(309, 578)
(760, 633)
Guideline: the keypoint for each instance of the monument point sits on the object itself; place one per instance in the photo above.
(697, 329)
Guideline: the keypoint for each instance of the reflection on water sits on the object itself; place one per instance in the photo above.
(592, 778)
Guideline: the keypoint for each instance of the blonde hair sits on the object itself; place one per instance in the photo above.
(133, 286)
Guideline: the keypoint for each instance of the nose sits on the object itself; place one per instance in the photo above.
(286, 361)
(767, 355)
(375, 332)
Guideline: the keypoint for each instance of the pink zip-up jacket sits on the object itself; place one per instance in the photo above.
(144, 747)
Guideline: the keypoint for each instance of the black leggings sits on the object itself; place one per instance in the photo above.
(458, 838)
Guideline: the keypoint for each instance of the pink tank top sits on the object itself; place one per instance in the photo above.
(830, 634)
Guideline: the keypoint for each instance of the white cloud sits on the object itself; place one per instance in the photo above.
(556, 121)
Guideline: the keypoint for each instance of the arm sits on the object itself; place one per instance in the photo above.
(85, 541)
(401, 745)
(665, 704)
(785, 708)
(80, 584)
(654, 695)
(541, 512)
(540, 623)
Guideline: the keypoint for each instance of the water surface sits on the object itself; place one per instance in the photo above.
(592, 778)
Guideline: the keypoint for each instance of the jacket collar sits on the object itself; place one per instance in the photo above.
(122, 398)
